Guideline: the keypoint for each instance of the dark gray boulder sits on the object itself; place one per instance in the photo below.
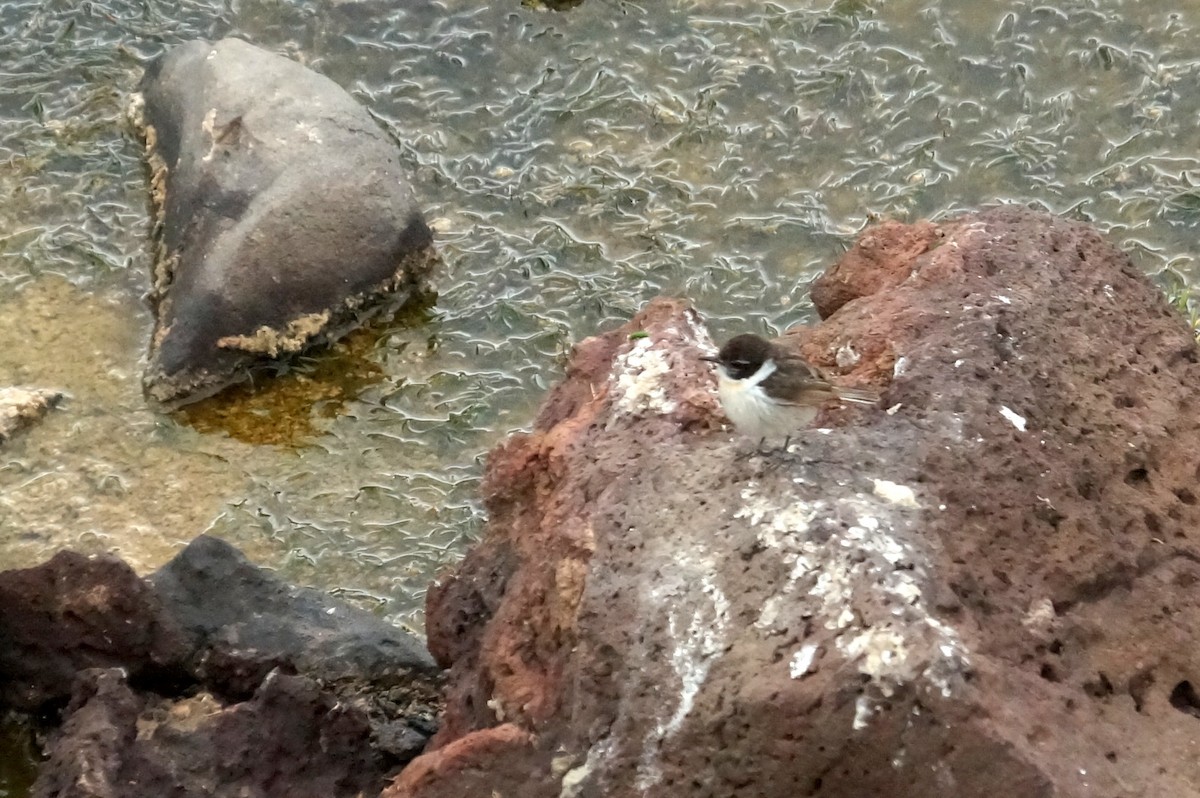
(282, 216)
(243, 621)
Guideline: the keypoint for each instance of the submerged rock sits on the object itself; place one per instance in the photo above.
(22, 407)
(283, 217)
(976, 589)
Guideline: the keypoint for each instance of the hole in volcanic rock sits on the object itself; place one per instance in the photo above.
(1137, 476)
(1139, 685)
(1100, 687)
(1086, 487)
(1184, 698)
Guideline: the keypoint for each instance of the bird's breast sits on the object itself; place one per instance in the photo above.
(756, 415)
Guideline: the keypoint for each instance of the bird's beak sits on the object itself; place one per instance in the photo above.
(710, 358)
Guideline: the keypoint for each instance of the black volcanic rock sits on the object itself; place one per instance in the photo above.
(242, 621)
(213, 677)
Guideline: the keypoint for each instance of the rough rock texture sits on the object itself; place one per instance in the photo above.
(76, 612)
(292, 739)
(213, 678)
(208, 588)
(982, 591)
(881, 258)
(21, 407)
(103, 713)
(283, 216)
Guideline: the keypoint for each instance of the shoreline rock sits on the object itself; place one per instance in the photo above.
(242, 622)
(75, 613)
(211, 672)
(979, 588)
(974, 590)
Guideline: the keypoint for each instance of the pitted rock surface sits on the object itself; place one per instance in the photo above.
(77, 612)
(283, 217)
(213, 677)
(978, 589)
(290, 740)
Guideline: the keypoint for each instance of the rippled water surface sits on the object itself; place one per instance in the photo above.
(574, 164)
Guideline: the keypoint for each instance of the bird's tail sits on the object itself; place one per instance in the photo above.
(860, 396)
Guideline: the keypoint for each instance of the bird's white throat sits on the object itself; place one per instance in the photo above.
(765, 370)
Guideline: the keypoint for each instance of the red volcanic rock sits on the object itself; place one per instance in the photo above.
(502, 754)
(76, 612)
(982, 591)
(883, 257)
(542, 536)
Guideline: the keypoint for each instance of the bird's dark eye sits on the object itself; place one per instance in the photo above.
(741, 364)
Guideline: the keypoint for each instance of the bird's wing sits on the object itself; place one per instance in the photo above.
(799, 384)
(802, 383)
(796, 364)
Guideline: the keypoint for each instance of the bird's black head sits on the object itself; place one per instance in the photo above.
(743, 355)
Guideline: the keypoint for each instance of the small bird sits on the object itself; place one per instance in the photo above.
(770, 393)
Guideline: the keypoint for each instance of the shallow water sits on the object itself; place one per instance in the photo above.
(17, 758)
(574, 164)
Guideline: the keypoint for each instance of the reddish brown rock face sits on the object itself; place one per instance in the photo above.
(983, 591)
(77, 612)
